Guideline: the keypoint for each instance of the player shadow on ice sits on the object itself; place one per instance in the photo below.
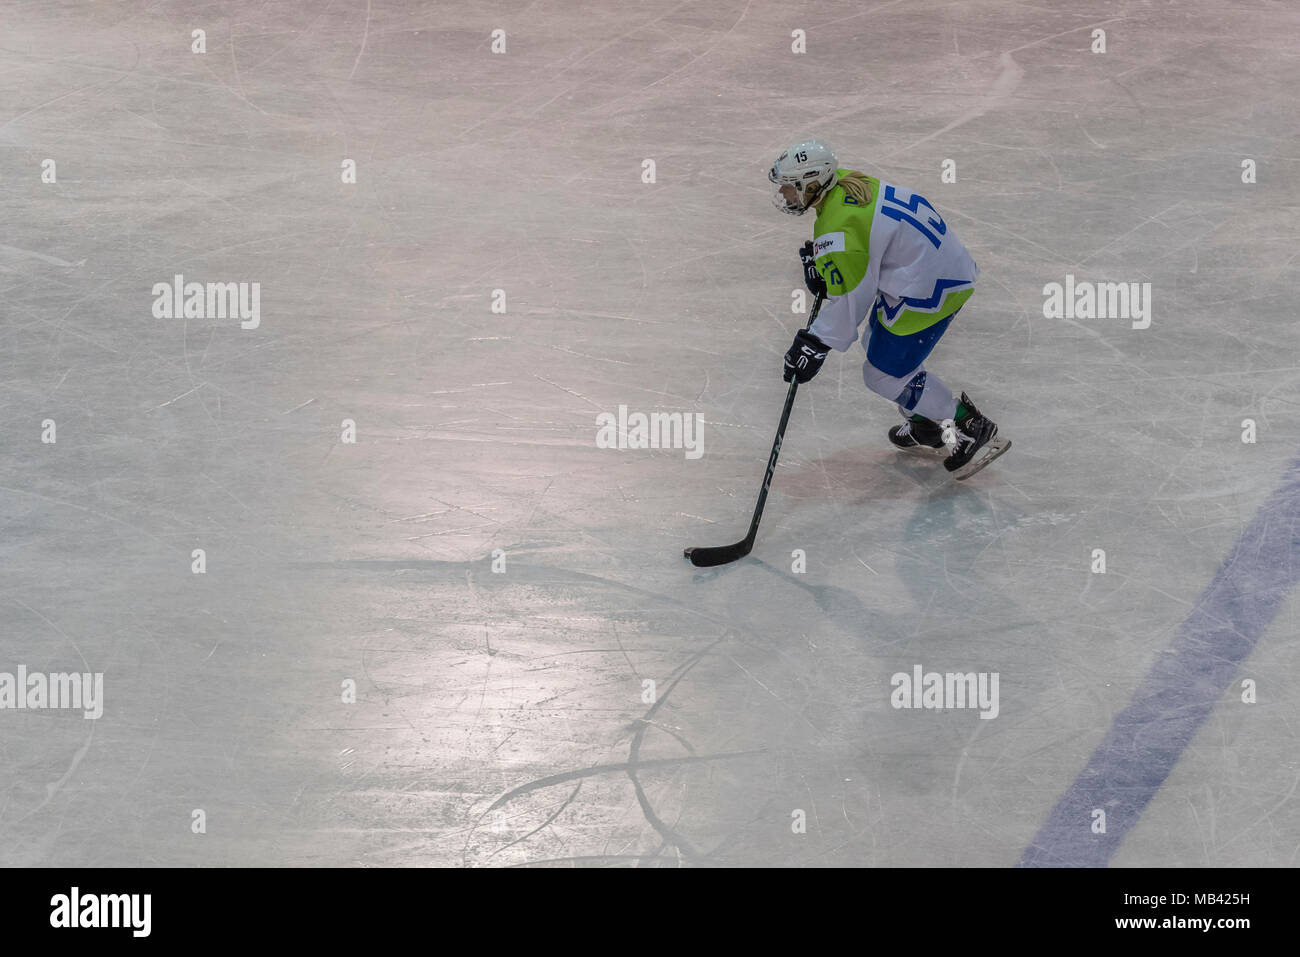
(862, 474)
(947, 521)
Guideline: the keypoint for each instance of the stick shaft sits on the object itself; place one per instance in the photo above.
(780, 435)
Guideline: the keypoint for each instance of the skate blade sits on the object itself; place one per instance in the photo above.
(992, 450)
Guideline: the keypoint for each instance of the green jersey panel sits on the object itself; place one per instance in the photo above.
(842, 238)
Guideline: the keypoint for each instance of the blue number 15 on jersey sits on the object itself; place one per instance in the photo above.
(905, 212)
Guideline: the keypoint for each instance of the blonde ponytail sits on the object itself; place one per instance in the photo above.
(856, 184)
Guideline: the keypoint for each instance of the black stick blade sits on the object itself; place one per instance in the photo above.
(719, 555)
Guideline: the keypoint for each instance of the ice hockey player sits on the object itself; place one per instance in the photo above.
(883, 254)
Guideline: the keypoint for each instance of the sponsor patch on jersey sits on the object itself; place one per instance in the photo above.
(828, 243)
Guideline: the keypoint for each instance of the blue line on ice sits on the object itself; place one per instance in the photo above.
(1147, 739)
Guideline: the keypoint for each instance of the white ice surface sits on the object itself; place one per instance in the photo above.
(476, 431)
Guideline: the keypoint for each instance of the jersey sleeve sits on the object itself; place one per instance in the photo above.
(850, 289)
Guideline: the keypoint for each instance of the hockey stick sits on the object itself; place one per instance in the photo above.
(722, 554)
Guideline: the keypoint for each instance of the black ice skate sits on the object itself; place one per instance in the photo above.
(918, 434)
(977, 442)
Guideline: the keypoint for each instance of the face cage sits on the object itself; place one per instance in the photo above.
(793, 209)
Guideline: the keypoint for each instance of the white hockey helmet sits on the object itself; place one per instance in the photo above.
(809, 169)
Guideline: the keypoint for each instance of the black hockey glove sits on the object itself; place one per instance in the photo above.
(811, 277)
(805, 357)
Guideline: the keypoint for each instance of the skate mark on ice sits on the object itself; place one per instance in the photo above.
(634, 764)
(545, 824)
(669, 835)
(520, 573)
(52, 788)
(589, 859)
(596, 769)
(365, 35)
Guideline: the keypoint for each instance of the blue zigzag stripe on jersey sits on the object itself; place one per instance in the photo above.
(941, 288)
